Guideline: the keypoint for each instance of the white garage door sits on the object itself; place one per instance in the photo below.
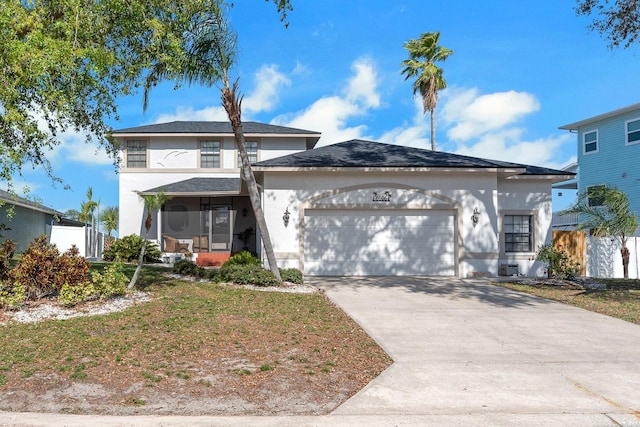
(379, 242)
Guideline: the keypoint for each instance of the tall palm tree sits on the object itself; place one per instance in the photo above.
(605, 211)
(152, 203)
(424, 52)
(211, 54)
(87, 215)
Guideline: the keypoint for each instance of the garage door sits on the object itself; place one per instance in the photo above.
(379, 242)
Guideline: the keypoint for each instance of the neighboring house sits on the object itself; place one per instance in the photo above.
(609, 151)
(353, 208)
(28, 220)
(566, 190)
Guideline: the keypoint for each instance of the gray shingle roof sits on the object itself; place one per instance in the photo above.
(213, 127)
(358, 153)
(200, 186)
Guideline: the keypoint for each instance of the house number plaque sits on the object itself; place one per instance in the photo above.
(382, 197)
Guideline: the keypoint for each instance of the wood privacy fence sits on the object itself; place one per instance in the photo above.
(598, 256)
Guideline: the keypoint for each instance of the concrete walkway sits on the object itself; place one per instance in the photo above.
(466, 353)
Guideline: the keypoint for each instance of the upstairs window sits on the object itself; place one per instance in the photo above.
(590, 142)
(633, 131)
(136, 154)
(209, 154)
(518, 233)
(252, 152)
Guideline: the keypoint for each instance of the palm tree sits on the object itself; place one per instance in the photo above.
(109, 218)
(424, 52)
(151, 204)
(605, 211)
(87, 209)
(212, 47)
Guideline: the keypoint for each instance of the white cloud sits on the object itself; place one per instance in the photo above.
(473, 115)
(331, 114)
(269, 82)
(189, 113)
(417, 134)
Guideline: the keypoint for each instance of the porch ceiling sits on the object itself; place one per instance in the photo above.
(198, 186)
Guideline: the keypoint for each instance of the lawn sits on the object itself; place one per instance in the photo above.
(194, 348)
(621, 299)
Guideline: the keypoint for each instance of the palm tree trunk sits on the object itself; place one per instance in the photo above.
(233, 107)
(624, 251)
(136, 274)
(433, 130)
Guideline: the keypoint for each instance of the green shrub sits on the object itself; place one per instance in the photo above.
(111, 282)
(246, 275)
(43, 271)
(188, 268)
(242, 258)
(127, 249)
(6, 254)
(558, 263)
(12, 295)
(292, 275)
(71, 295)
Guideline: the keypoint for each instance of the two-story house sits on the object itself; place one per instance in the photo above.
(352, 208)
(609, 151)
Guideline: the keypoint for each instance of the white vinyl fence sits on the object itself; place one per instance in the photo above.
(88, 242)
(604, 258)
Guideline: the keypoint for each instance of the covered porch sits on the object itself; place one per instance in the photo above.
(206, 219)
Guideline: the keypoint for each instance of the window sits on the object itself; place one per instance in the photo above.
(518, 236)
(594, 196)
(590, 142)
(136, 154)
(252, 152)
(209, 154)
(633, 131)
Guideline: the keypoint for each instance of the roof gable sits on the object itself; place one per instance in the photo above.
(368, 154)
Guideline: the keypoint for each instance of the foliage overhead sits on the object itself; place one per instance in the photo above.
(65, 64)
(618, 21)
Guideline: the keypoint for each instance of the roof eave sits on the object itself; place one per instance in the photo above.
(624, 110)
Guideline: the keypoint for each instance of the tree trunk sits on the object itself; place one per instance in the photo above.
(136, 274)
(233, 107)
(625, 260)
(433, 130)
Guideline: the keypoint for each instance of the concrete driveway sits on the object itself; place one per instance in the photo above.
(470, 353)
(466, 353)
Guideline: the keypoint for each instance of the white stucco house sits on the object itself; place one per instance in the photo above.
(352, 208)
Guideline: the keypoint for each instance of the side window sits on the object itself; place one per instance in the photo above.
(209, 154)
(252, 152)
(633, 131)
(590, 142)
(518, 233)
(136, 154)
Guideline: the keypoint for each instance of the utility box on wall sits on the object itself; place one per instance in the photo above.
(508, 270)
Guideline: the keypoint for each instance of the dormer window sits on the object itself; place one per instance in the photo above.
(209, 154)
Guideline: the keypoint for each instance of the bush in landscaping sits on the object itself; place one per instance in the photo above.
(12, 295)
(246, 275)
(7, 251)
(242, 258)
(558, 262)
(111, 282)
(188, 268)
(128, 249)
(43, 271)
(291, 275)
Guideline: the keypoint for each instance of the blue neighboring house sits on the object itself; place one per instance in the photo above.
(609, 151)
(28, 221)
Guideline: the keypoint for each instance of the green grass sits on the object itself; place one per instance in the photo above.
(621, 299)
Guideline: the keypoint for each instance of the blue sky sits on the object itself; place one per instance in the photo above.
(518, 72)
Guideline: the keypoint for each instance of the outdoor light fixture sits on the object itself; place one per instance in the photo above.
(285, 217)
(476, 216)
